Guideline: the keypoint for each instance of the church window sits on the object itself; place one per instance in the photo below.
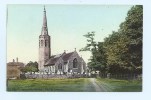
(42, 43)
(60, 66)
(39, 43)
(75, 63)
(45, 43)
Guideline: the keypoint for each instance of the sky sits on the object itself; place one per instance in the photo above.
(66, 25)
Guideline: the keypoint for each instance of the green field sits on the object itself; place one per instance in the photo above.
(74, 85)
(114, 85)
(65, 85)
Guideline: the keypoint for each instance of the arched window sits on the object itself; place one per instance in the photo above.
(45, 43)
(42, 42)
(60, 66)
(75, 63)
(39, 43)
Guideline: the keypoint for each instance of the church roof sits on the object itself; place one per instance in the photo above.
(53, 59)
(56, 56)
(67, 56)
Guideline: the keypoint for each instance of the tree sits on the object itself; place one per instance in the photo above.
(30, 67)
(133, 29)
(91, 44)
(97, 60)
(124, 47)
(23, 69)
(121, 52)
(101, 58)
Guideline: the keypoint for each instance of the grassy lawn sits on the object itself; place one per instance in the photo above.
(54, 85)
(74, 85)
(114, 85)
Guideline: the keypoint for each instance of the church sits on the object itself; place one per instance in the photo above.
(63, 63)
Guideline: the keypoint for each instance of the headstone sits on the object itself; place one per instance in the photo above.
(108, 75)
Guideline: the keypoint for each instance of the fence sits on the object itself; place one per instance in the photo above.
(115, 76)
(121, 76)
(47, 76)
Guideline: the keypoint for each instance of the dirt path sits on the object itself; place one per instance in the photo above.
(98, 87)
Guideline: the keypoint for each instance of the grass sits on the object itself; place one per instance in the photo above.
(54, 85)
(114, 85)
(73, 85)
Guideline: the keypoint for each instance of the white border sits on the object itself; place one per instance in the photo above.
(78, 95)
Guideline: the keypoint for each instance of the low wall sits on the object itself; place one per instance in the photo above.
(47, 76)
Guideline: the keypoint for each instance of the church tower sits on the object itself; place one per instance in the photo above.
(44, 44)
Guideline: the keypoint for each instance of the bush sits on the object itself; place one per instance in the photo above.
(22, 76)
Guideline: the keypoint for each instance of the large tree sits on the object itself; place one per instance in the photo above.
(91, 46)
(133, 29)
(121, 52)
(124, 47)
(97, 60)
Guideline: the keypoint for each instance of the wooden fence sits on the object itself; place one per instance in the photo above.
(121, 76)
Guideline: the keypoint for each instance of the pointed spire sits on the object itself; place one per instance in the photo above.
(44, 18)
(44, 27)
(44, 8)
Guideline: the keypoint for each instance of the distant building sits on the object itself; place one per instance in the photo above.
(63, 63)
(13, 69)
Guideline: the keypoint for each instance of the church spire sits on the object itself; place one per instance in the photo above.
(44, 44)
(44, 27)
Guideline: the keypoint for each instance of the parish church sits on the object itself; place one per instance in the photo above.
(63, 63)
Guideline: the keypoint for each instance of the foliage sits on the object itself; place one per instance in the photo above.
(97, 61)
(121, 52)
(124, 48)
(30, 67)
(91, 45)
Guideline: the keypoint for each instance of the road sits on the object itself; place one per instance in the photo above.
(99, 87)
